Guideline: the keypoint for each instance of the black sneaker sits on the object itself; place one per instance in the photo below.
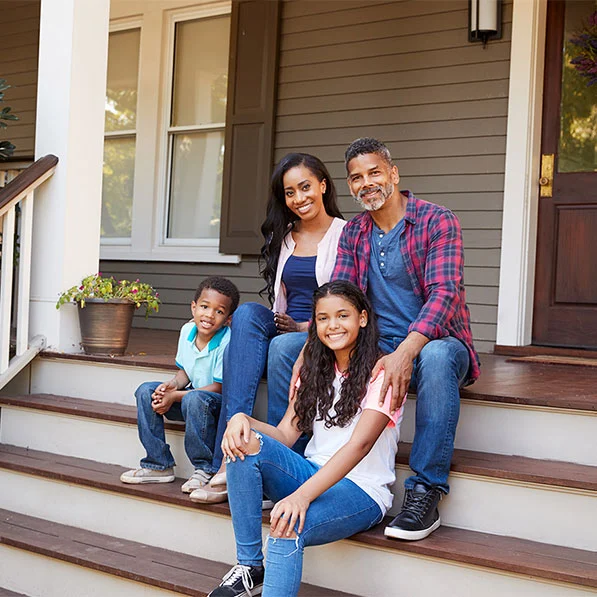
(419, 516)
(241, 581)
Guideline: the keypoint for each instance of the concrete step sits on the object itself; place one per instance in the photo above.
(507, 495)
(495, 417)
(110, 566)
(450, 562)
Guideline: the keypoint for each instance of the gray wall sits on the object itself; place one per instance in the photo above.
(19, 31)
(403, 72)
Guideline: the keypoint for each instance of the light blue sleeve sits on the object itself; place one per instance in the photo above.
(182, 338)
(218, 363)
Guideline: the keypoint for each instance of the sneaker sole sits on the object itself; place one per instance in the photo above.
(257, 590)
(140, 480)
(397, 533)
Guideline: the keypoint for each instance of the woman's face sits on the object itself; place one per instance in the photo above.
(303, 192)
(338, 323)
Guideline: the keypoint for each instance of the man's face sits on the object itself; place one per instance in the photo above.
(371, 180)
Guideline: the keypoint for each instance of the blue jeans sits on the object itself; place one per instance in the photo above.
(439, 372)
(278, 471)
(253, 337)
(198, 409)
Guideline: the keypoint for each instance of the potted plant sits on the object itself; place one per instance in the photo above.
(106, 308)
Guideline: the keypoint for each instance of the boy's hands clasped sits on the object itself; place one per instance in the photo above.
(164, 396)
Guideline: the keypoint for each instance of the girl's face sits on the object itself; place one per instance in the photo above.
(303, 192)
(338, 322)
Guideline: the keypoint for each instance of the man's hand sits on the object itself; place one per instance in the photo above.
(286, 513)
(285, 324)
(398, 367)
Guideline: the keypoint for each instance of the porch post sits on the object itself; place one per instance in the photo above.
(73, 50)
(523, 147)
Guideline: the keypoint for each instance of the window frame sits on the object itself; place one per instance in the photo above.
(149, 240)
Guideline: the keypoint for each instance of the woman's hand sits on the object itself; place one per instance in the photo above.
(236, 437)
(287, 512)
(285, 324)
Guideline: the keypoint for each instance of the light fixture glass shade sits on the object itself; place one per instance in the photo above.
(485, 20)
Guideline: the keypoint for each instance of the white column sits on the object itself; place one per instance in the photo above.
(521, 186)
(73, 51)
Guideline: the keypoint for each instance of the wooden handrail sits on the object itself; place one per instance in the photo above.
(26, 179)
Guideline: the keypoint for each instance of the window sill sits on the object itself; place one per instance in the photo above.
(167, 253)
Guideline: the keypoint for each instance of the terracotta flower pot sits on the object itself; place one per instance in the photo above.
(106, 325)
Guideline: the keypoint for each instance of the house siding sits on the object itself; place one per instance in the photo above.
(19, 38)
(403, 72)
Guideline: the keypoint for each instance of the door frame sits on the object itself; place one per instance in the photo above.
(521, 188)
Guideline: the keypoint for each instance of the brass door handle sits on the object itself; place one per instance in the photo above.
(546, 180)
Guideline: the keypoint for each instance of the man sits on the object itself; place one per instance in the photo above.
(407, 255)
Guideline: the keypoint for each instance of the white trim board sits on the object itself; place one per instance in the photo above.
(523, 148)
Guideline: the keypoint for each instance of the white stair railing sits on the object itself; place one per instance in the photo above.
(17, 193)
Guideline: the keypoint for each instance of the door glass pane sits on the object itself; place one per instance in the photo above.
(200, 71)
(121, 88)
(117, 187)
(578, 124)
(196, 185)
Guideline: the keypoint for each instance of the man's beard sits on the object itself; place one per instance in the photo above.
(376, 204)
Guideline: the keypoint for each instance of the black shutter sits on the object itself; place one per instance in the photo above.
(250, 114)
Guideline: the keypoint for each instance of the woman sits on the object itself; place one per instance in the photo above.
(301, 232)
(341, 486)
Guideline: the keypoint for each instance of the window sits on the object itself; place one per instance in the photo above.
(196, 131)
(120, 134)
(165, 127)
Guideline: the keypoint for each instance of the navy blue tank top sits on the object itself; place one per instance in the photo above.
(300, 282)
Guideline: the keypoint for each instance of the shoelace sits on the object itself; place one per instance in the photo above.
(242, 572)
(201, 476)
(418, 503)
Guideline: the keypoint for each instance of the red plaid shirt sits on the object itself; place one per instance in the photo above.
(432, 250)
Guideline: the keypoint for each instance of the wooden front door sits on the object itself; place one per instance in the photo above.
(565, 312)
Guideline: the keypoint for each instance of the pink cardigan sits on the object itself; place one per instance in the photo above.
(324, 264)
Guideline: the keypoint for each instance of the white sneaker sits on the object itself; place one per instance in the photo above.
(147, 475)
(198, 479)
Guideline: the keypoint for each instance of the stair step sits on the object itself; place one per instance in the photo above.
(184, 574)
(500, 466)
(7, 593)
(506, 554)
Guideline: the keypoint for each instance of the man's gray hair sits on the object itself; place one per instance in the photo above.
(366, 145)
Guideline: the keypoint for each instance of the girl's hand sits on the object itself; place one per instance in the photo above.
(285, 324)
(286, 513)
(236, 437)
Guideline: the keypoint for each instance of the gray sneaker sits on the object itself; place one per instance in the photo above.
(198, 479)
(147, 475)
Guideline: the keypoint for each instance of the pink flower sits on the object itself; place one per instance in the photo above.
(135, 291)
(81, 287)
(157, 294)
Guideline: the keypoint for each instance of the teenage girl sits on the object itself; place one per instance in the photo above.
(341, 485)
(301, 232)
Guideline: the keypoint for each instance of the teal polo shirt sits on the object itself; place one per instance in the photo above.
(203, 367)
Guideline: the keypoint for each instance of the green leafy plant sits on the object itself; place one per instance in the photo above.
(6, 147)
(98, 287)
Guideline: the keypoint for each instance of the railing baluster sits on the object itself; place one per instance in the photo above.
(24, 285)
(8, 232)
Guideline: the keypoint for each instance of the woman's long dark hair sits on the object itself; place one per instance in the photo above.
(279, 219)
(316, 394)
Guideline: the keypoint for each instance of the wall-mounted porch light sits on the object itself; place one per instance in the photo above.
(485, 20)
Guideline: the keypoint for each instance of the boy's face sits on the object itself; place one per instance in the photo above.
(210, 312)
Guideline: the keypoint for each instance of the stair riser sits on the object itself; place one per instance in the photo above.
(331, 565)
(569, 436)
(41, 576)
(547, 514)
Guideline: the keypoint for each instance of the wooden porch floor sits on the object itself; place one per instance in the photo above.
(502, 379)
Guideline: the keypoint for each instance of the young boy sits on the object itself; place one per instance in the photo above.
(193, 395)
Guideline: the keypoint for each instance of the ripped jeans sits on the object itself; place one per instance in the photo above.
(277, 471)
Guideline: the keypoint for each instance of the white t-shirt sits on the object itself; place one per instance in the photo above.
(375, 473)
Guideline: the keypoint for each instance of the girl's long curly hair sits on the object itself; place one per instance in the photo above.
(315, 395)
(280, 220)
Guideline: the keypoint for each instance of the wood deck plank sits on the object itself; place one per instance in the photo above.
(493, 551)
(182, 573)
